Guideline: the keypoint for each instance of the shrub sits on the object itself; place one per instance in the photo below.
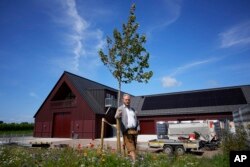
(234, 142)
(16, 126)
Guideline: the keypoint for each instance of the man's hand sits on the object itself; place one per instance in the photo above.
(118, 114)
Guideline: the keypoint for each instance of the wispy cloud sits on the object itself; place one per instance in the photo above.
(83, 39)
(170, 79)
(188, 66)
(236, 35)
(33, 94)
(171, 12)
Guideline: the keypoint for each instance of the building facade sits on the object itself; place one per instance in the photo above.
(76, 105)
(74, 108)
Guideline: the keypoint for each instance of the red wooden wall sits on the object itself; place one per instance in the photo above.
(76, 119)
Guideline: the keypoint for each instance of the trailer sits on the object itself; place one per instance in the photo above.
(209, 129)
(182, 137)
(179, 147)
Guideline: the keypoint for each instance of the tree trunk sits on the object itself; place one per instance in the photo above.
(118, 135)
(119, 94)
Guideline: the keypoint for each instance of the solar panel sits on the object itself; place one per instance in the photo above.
(195, 99)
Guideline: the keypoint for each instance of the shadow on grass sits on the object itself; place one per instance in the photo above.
(197, 153)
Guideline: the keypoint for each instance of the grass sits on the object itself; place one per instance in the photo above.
(21, 156)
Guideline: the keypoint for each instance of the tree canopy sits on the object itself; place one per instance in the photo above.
(127, 58)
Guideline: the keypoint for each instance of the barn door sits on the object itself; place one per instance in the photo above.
(147, 127)
(62, 125)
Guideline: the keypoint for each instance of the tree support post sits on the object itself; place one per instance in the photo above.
(102, 133)
(118, 136)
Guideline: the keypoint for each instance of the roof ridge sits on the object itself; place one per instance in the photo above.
(66, 72)
(197, 90)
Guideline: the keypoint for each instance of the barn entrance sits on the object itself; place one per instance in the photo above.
(147, 127)
(62, 125)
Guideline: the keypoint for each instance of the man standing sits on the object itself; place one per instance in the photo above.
(129, 125)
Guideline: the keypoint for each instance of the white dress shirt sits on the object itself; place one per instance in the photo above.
(131, 118)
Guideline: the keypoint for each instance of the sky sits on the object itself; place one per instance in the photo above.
(193, 45)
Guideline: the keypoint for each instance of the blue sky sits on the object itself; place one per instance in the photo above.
(192, 44)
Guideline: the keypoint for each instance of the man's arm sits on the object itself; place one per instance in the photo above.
(118, 113)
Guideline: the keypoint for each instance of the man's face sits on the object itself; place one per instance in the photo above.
(126, 100)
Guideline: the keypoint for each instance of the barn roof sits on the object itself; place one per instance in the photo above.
(82, 83)
(214, 100)
(85, 86)
(226, 99)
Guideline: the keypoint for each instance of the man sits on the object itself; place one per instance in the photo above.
(129, 125)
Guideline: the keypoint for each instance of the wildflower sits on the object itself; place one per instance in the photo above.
(99, 152)
(79, 146)
(91, 145)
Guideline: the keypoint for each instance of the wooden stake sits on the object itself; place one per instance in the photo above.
(102, 133)
(118, 136)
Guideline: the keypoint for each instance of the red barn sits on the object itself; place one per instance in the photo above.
(75, 106)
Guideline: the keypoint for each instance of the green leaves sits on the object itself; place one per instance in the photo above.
(127, 58)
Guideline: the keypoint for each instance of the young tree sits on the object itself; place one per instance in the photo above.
(127, 58)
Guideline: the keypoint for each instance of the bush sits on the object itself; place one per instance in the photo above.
(234, 142)
(16, 126)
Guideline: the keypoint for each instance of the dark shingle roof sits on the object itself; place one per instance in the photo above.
(190, 102)
(84, 87)
(195, 102)
(83, 83)
(195, 99)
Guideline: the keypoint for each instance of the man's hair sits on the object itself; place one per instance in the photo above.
(125, 95)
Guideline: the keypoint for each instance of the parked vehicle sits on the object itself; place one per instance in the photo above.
(179, 147)
(208, 130)
(179, 138)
